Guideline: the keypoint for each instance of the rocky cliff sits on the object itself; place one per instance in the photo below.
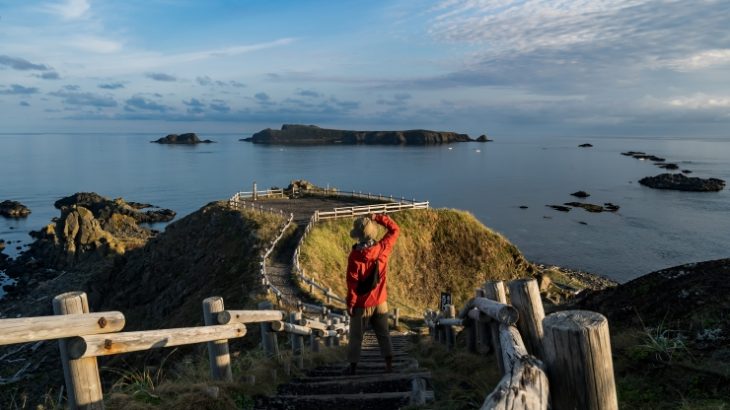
(310, 134)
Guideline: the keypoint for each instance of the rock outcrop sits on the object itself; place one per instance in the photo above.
(585, 145)
(189, 138)
(292, 134)
(484, 138)
(13, 209)
(91, 229)
(581, 194)
(680, 182)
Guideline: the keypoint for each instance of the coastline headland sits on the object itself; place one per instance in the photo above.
(295, 134)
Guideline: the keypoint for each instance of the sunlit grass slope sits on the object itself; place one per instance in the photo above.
(438, 250)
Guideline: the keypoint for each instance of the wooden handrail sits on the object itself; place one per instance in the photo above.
(32, 329)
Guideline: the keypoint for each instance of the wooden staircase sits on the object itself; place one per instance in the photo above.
(328, 388)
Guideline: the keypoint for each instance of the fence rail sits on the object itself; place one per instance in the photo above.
(567, 361)
(83, 336)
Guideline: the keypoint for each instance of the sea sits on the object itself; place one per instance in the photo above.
(652, 230)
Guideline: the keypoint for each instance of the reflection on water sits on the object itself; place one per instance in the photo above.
(652, 230)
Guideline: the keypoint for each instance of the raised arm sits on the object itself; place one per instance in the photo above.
(391, 236)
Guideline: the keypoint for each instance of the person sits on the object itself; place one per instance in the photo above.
(372, 306)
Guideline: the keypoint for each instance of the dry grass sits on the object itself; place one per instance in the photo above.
(438, 250)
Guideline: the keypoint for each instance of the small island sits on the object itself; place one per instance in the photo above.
(680, 182)
(294, 134)
(189, 138)
(13, 209)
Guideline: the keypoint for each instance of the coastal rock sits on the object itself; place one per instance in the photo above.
(585, 146)
(587, 207)
(13, 209)
(293, 134)
(189, 138)
(686, 171)
(680, 182)
(91, 229)
(559, 208)
(523, 206)
(643, 156)
(484, 138)
(669, 166)
(610, 207)
(103, 208)
(581, 194)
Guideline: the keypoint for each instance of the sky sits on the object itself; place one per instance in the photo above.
(500, 67)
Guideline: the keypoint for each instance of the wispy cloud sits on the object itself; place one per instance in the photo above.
(69, 9)
(49, 75)
(111, 86)
(95, 44)
(76, 98)
(140, 103)
(17, 63)
(17, 89)
(161, 77)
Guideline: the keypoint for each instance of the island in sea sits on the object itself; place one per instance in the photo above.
(295, 134)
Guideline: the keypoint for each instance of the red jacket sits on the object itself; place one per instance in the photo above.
(361, 260)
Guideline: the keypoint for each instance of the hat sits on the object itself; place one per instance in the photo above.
(363, 229)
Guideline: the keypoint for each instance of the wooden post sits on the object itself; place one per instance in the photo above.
(268, 338)
(327, 295)
(328, 339)
(494, 289)
(82, 376)
(578, 360)
(396, 317)
(472, 328)
(450, 334)
(297, 341)
(482, 329)
(525, 296)
(254, 191)
(314, 342)
(335, 339)
(218, 356)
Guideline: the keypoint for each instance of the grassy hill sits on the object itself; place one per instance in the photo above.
(438, 250)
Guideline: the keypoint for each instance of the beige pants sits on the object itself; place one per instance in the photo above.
(377, 317)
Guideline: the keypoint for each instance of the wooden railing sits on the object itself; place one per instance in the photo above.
(352, 211)
(83, 336)
(571, 349)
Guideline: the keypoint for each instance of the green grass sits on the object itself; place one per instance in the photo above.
(438, 250)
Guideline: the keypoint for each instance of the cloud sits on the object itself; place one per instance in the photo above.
(698, 61)
(111, 86)
(220, 106)
(262, 97)
(161, 77)
(71, 87)
(17, 89)
(700, 101)
(308, 93)
(195, 106)
(49, 75)
(140, 103)
(69, 9)
(399, 99)
(24, 104)
(95, 44)
(84, 99)
(21, 64)
(207, 81)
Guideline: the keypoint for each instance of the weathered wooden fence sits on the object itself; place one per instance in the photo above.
(83, 336)
(563, 359)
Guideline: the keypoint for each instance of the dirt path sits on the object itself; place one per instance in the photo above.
(279, 265)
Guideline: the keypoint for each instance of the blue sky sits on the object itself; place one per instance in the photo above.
(502, 67)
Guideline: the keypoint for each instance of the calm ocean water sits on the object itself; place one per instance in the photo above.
(653, 229)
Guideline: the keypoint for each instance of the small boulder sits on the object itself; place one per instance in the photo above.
(523, 206)
(13, 209)
(483, 138)
(585, 145)
(581, 194)
(587, 207)
(559, 208)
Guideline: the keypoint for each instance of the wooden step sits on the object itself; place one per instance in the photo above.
(365, 401)
(393, 382)
(411, 374)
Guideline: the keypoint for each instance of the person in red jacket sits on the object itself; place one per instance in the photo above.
(370, 306)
